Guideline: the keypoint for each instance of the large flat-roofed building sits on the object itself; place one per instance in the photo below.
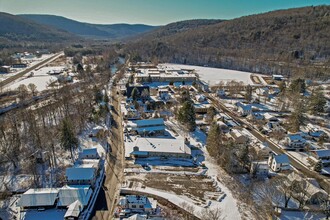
(39, 198)
(147, 126)
(160, 147)
(69, 194)
(152, 75)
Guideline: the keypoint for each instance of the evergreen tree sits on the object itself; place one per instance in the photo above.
(317, 101)
(213, 139)
(211, 112)
(145, 94)
(318, 166)
(298, 85)
(135, 94)
(282, 87)
(296, 118)
(244, 156)
(248, 93)
(68, 138)
(80, 68)
(185, 96)
(186, 115)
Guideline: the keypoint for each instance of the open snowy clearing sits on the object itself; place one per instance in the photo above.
(41, 78)
(214, 75)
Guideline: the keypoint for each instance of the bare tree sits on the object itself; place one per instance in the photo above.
(33, 88)
(212, 214)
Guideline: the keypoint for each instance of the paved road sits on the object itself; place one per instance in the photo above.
(109, 194)
(323, 180)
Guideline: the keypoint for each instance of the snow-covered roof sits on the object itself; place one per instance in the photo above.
(69, 194)
(244, 106)
(146, 122)
(74, 209)
(296, 138)
(136, 199)
(166, 145)
(281, 158)
(87, 152)
(137, 217)
(322, 153)
(268, 116)
(80, 173)
(38, 197)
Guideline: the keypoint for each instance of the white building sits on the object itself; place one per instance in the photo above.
(259, 168)
(80, 175)
(38, 198)
(89, 153)
(244, 109)
(146, 126)
(279, 162)
(137, 203)
(160, 147)
(238, 136)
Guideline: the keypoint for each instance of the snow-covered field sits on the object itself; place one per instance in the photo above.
(214, 75)
(40, 78)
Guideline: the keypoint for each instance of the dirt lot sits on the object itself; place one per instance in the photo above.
(198, 188)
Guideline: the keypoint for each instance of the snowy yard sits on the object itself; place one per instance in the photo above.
(214, 75)
(199, 188)
(41, 78)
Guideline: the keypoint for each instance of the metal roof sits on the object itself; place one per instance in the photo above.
(80, 173)
(38, 197)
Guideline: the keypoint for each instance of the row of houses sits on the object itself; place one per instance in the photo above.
(74, 196)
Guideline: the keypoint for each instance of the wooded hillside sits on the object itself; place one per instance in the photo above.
(294, 41)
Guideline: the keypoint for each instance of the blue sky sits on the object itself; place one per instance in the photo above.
(154, 12)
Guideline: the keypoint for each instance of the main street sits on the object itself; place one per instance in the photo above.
(323, 180)
(109, 194)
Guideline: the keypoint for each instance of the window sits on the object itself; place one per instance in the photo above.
(133, 206)
(141, 206)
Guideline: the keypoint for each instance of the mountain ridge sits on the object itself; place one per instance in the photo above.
(89, 30)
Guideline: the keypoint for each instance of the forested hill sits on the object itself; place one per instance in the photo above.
(273, 42)
(15, 29)
(92, 31)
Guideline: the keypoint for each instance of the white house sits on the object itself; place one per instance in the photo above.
(244, 109)
(295, 141)
(279, 162)
(270, 117)
(263, 150)
(89, 153)
(137, 203)
(200, 98)
(259, 168)
(80, 176)
(238, 136)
